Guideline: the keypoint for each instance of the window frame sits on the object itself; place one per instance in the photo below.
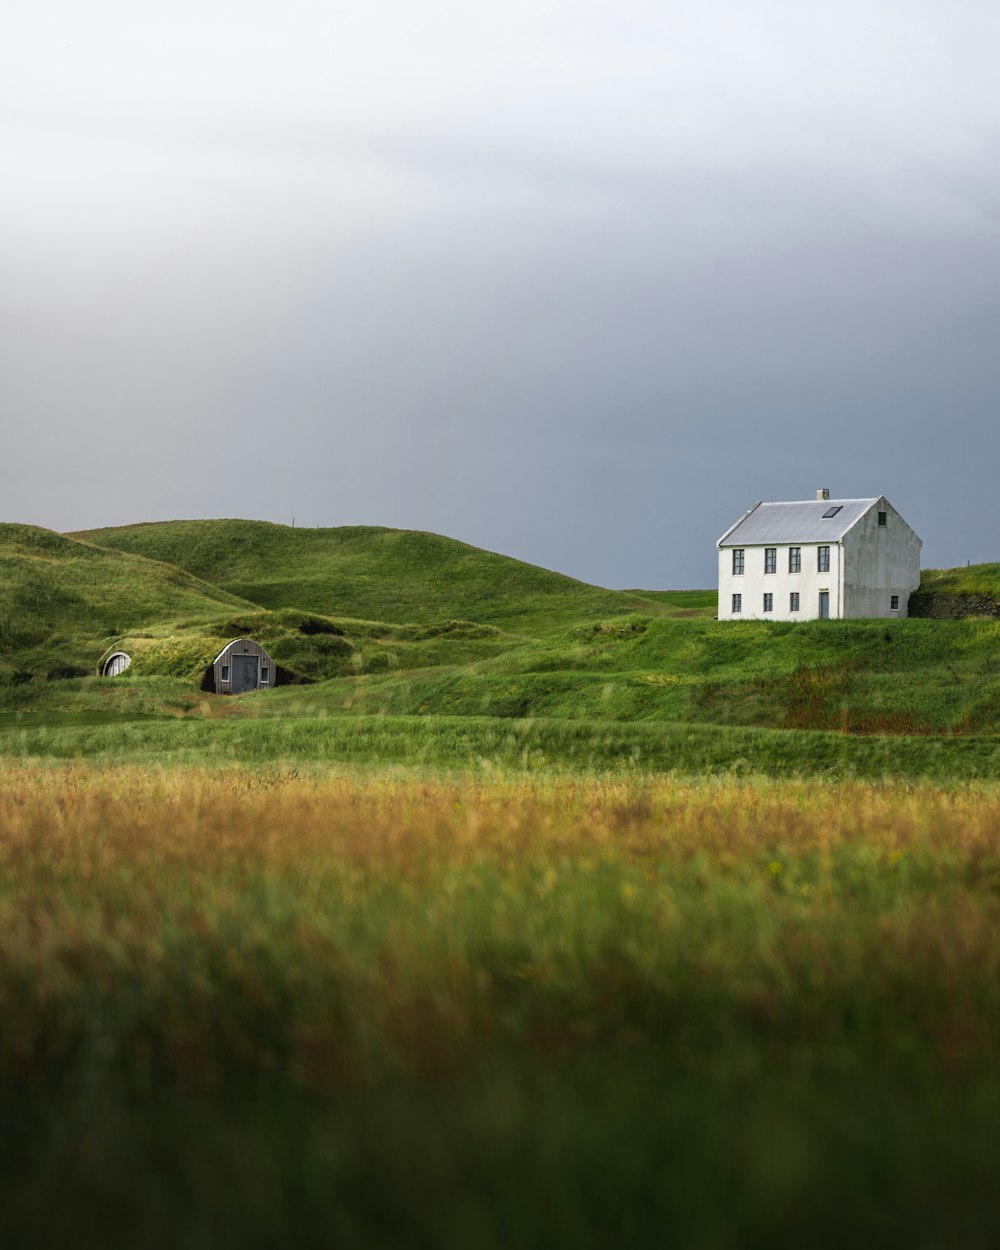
(739, 561)
(793, 601)
(737, 608)
(823, 558)
(795, 559)
(883, 520)
(894, 603)
(770, 560)
(224, 671)
(768, 601)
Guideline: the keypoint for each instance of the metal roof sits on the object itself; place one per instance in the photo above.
(242, 638)
(801, 521)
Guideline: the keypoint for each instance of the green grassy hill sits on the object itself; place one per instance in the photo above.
(405, 624)
(397, 576)
(56, 593)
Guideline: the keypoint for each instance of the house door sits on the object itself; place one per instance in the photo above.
(244, 674)
(824, 605)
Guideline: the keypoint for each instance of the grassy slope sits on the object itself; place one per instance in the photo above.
(905, 677)
(681, 603)
(872, 676)
(304, 647)
(56, 593)
(972, 579)
(65, 602)
(373, 573)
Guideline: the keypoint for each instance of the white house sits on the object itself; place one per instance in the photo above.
(817, 557)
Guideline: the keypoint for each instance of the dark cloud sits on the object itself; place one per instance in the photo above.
(575, 291)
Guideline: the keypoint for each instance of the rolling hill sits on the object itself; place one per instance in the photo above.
(397, 576)
(53, 586)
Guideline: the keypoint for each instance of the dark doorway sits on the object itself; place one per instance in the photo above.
(244, 673)
(824, 605)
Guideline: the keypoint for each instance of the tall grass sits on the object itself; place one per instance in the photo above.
(224, 734)
(260, 1009)
(914, 676)
(975, 579)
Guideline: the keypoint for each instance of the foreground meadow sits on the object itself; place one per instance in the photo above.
(244, 1009)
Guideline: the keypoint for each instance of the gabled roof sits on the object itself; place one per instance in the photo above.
(801, 521)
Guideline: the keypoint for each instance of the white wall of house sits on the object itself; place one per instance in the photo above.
(871, 567)
(880, 561)
(754, 584)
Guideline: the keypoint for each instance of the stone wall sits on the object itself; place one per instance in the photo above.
(952, 607)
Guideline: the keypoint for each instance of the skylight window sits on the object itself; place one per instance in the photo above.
(832, 511)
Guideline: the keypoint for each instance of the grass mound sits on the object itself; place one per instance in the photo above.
(972, 579)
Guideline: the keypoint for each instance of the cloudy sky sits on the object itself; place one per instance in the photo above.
(577, 282)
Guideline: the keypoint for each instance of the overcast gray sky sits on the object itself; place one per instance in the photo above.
(577, 282)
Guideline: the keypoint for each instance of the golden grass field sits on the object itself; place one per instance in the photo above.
(436, 1010)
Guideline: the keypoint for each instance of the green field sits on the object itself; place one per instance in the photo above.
(522, 913)
(253, 1009)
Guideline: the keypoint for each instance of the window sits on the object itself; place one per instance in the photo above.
(225, 672)
(795, 559)
(883, 519)
(822, 559)
(770, 559)
(737, 603)
(894, 603)
(265, 676)
(832, 511)
(769, 603)
(737, 561)
(793, 601)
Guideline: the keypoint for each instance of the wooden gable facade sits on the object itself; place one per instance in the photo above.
(243, 665)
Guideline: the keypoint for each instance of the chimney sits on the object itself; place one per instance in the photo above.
(823, 494)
